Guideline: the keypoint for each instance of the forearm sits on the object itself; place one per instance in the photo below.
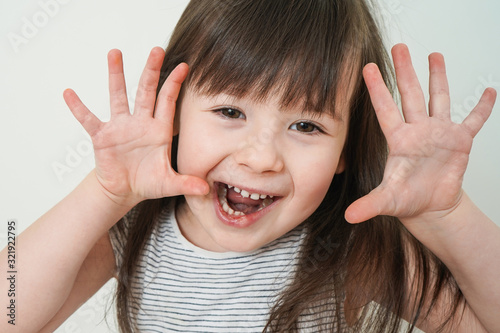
(468, 243)
(51, 251)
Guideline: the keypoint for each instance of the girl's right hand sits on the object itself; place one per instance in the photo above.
(133, 151)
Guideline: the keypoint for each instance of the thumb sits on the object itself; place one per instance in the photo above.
(374, 203)
(188, 185)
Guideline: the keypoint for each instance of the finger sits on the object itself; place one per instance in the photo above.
(412, 97)
(117, 88)
(167, 98)
(478, 116)
(367, 207)
(386, 109)
(146, 93)
(89, 121)
(187, 185)
(439, 102)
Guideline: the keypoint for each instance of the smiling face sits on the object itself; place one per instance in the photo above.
(268, 168)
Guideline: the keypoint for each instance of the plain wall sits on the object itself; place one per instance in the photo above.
(49, 45)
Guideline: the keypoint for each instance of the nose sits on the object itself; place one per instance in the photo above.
(260, 153)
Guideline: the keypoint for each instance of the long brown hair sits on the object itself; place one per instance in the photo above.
(310, 51)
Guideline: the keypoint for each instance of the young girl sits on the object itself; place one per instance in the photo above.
(260, 131)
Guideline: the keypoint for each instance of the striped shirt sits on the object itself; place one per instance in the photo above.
(179, 287)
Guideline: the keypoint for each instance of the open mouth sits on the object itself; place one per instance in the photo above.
(237, 202)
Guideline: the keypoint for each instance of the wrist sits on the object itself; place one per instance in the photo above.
(108, 206)
(126, 202)
(442, 220)
(445, 233)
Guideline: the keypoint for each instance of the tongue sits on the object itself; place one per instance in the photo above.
(239, 203)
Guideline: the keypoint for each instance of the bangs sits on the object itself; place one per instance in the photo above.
(302, 51)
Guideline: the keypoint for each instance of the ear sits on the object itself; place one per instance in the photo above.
(341, 164)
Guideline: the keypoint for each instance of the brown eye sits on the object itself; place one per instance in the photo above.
(231, 113)
(304, 127)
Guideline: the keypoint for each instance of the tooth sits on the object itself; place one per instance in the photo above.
(255, 196)
(238, 213)
(229, 186)
(263, 196)
(225, 207)
(245, 194)
(266, 202)
(222, 194)
(231, 211)
(222, 191)
(237, 190)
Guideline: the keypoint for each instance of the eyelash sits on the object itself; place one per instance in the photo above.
(315, 131)
(316, 128)
(222, 110)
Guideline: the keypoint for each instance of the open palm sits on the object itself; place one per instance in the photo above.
(428, 153)
(133, 151)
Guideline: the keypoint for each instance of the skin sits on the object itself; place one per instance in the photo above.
(427, 151)
(429, 154)
(263, 151)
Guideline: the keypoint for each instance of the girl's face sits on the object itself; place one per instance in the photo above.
(268, 168)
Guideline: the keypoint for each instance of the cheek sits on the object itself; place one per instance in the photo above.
(190, 153)
(313, 182)
(199, 149)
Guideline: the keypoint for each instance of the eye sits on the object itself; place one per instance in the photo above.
(305, 127)
(231, 113)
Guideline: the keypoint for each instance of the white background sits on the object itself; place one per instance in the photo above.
(44, 152)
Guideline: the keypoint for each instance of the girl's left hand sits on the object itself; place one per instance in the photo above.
(428, 153)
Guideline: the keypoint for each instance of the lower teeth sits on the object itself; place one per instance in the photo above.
(222, 193)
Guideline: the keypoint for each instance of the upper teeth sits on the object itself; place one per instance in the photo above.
(222, 194)
(246, 194)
